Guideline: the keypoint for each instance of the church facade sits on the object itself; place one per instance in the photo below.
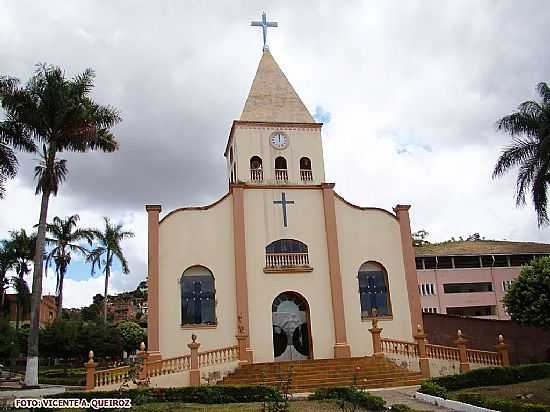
(281, 260)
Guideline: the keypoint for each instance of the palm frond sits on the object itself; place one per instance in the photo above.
(544, 92)
(519, 151)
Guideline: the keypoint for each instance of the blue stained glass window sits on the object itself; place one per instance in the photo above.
(198, 297)
(374, 290)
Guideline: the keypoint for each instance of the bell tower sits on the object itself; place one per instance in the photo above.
(275, 141)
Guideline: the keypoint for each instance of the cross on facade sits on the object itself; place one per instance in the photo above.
(264, 24)
(283, 202)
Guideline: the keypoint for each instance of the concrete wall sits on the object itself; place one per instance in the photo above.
(197, 237)
(482, 334)
(306, 224)
(371, 235)
(251, 141)
(444, 300)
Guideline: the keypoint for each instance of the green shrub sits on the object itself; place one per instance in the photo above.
(494, 376)
(430, 387)
(60, 376)
(363, 399)
(399, 407)
(503, 405)
(193, 394)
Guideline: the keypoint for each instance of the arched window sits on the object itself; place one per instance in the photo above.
(286, 246)
(255, 163)
(280, 163)
(256, 172)
(305, 169)
(374, 290)
(286, 253)
(305, 163)
(198, 297)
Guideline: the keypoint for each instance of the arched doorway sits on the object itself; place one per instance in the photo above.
(291, 328)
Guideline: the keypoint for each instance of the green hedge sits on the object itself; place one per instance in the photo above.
(492, 377)
(503, 405)
(431, 388)
(208, 394)
(363, 399)
(60, 376)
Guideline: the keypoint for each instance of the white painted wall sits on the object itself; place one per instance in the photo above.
(251, 141)
(197, 237)
(364, 235)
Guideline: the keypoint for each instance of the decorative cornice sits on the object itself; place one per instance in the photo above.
(184, 209)
(363, 207)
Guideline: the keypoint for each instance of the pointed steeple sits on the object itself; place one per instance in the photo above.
(272, 98)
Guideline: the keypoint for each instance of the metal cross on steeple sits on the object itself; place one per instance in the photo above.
(264, 24)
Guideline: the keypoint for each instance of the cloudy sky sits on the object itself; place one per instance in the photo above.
(409, 93)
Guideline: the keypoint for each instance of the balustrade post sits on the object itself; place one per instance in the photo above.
(90, 371)
(461, 346)
(376, 339)
(423, 361)
(194, 373)
(502, 349)
(143, 355)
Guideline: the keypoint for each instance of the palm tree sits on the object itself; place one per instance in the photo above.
(59, 114)
(530, 151)
(23, 246)
(7, 262)
(107, 249)
(64, 239)
(11, 138)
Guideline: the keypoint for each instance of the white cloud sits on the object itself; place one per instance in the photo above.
(409, 75)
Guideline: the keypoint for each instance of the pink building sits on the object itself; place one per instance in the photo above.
(470, 278)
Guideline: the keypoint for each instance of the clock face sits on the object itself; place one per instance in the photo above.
(279, 140)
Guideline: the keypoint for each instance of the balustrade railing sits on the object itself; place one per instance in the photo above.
(218, 356)
(256, 175)
(306, 175)
(280, 260)
(483, 357)
(111, 376)
(168, 366)
(442, 352)
(399, 347)
(281, 175)
(150, 369)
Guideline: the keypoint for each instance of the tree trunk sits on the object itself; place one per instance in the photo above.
(107, 274)
(31, 372)
(18, 303)
(60, 293)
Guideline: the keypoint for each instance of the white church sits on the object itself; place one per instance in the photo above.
(281, 260)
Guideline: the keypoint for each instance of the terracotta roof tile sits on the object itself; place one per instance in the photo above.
(481, 247)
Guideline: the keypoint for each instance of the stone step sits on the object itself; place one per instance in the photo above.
(308, 375)
(312, 375)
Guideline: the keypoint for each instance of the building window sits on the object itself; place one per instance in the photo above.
(305, 169)
(468, 287)
(286, 253)
(198, 297)
(256, 172)
(426, 289)
(374, 290)
(281, 172)
(429, 310)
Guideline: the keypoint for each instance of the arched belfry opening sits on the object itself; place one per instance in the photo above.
(281, 172)
(305, 169)
(291, 328)
(256, 170)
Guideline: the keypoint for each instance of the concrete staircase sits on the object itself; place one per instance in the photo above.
(309, 375)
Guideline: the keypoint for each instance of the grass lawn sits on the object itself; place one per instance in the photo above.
(540, 390)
